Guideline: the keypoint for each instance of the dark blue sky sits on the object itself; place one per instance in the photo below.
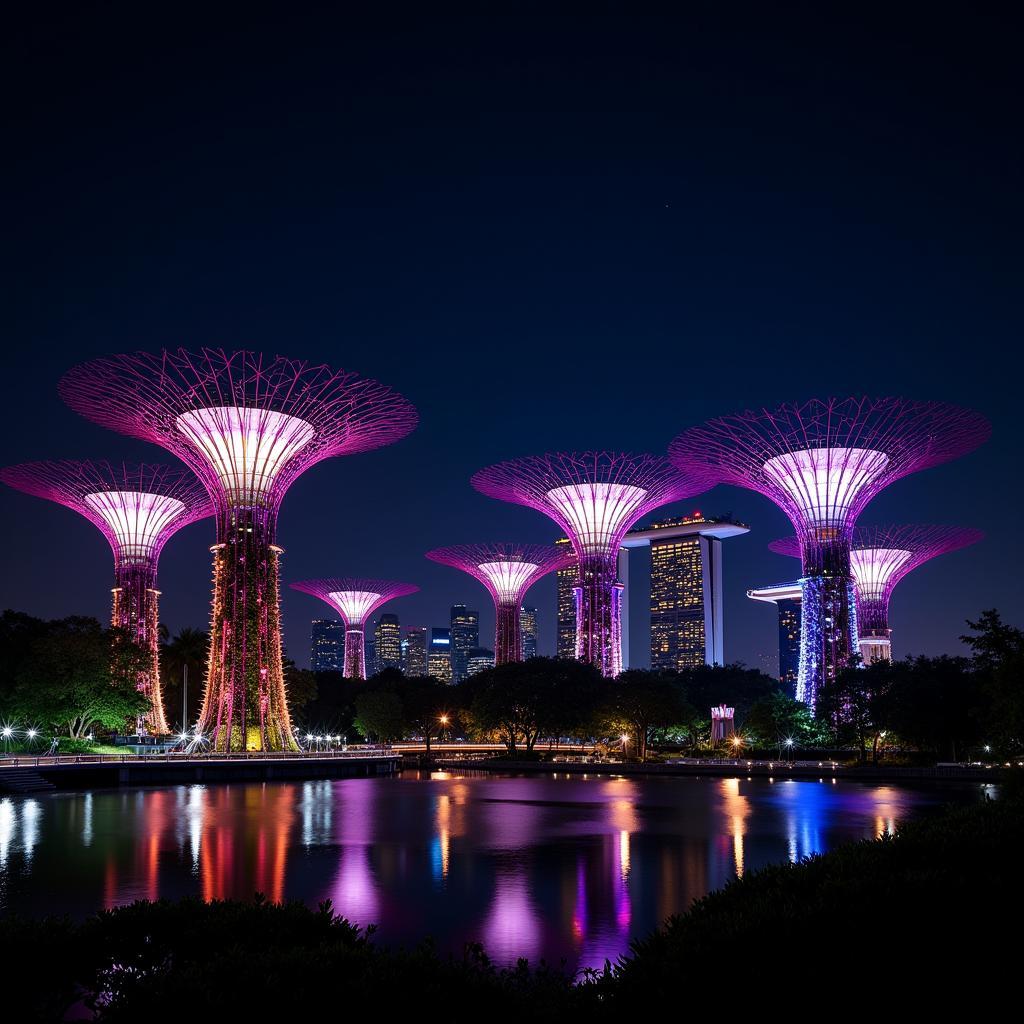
(548, 231)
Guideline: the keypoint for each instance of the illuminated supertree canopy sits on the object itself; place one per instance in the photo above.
(821, 462)
(595, 497)
(248, 425)
(880, 556)
(355, 600)
(507, 571)
(138, 508)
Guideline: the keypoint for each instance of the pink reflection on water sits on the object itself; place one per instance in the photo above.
(512, 928)
(354, 891)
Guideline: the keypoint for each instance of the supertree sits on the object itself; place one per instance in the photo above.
(355, 600)
(821, 462)
(138, 509)
(595, 497)
(880, 556)
(507, 571)
(248, 425)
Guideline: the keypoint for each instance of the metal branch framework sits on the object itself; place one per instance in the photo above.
(821, 462)
(507, 571)
(138, 508)
(880, 556)
(595, 497)
(355, 600)
(248, 425)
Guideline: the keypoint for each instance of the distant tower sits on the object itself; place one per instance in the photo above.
(880, 557)
(439, 654)
(507, 571)
(415, 651)
(480, 658)
(528, 625)
(388, 642)
(138, 509)
(786, 597)
(568, 580)
(821, 462)
(355, 600)
(722, 723)
(328, 646)
(248, 425)
(465, 634)
(595, 497)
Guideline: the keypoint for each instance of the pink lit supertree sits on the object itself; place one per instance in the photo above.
(355, 600)
(248, 425)
(507, 571)
(138, 509)
(821, 462)
(595, 497)
(880, 556)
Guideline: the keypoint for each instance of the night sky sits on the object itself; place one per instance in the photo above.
(549, 232)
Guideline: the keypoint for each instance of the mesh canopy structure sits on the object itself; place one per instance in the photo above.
(138, 508)
(248, 425)
(355, 600)
(821, 462)
(880, 556)
(595, 497)
(507, 571)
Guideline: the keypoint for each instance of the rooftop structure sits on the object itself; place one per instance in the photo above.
(594, 497)
(880, 556)
(138, 508)
(248, 425)
(355, 600)
(821, 462)
(507, 571)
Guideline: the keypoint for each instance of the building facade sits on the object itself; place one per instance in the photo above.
(439, 654)
(465, 636)
(327, 652)
(566, 584)
(480, 658)
(528, 627)
(414, 651)
(387, 643)
(786, 598)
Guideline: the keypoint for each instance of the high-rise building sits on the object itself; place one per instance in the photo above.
(465, 635)
(328, 649)
(370, 651)
(686, 589)
(567, 581)
(786, 597)
(528, 623)
(439, 654)
(479, 658)
(414, 659)
(388, 643)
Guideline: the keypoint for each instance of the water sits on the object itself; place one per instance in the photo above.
(560, 868)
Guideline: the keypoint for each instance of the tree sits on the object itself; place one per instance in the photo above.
(379, 715)
(641, 702)
(854, 705)
(300, 686)
(998, 658)
(188, 649)
(424, 699)
(778, 718)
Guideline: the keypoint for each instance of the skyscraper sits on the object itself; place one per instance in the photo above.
(528, 620)
(328, 645)
(480, 658)
(415, 644)
(465, 635)
(566, 644)
(686, 588)
(388, 643)
(786, 597)
(439, 654)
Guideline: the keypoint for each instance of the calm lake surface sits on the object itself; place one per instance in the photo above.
(536, 866)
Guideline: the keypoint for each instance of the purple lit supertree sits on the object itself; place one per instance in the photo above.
(138, 509)
(355, 600)
(880, 556)
(821, 462)
(248, 425)
(595, 497)
(507, 571)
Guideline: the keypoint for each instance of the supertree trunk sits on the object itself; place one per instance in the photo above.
(828, 623)
(598, 625)
(508, 634)
(136, 611)
(244, 706)
(875, 634)
(355, 651)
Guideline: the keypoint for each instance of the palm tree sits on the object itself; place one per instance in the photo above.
(189, 649)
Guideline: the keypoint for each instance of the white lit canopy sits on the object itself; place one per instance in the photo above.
(824, 484)
(247, 447)
(135, 519)
(509, 579)
(597, 514)
(874, 569)
(354, 605)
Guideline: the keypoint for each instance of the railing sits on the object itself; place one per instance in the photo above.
(176, 756)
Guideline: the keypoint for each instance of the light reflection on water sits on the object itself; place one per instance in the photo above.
(529, 866)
